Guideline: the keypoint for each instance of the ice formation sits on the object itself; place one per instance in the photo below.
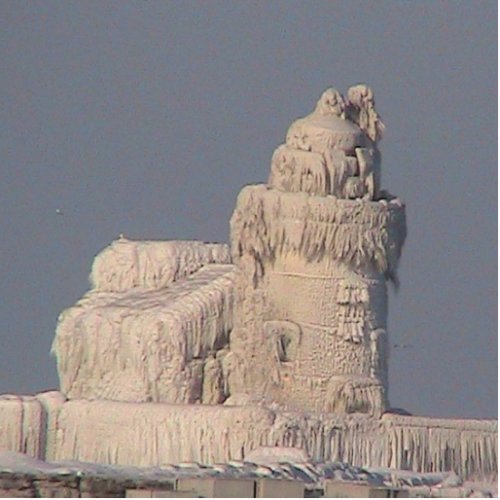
(101, 480)
(313, 250)
(22, 422)
(194, 352)
(154, 328)
(146, 265)
(149, 434)
(156, 325)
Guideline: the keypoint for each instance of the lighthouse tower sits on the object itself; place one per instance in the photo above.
(314, 249)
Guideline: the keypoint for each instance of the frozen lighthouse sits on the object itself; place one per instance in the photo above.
(313, 250)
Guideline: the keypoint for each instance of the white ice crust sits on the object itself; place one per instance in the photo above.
(159, 340)
(277, 348)
(156, 434)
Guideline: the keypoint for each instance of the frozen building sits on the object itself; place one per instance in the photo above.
(187, 351)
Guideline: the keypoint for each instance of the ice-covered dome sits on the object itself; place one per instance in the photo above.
(327, 127)
(333, 150)
(316, 132)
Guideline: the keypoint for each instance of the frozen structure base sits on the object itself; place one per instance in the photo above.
(48, 427)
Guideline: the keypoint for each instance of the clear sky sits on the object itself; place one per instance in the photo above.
(147, 117)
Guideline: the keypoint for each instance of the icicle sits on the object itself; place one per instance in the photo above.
(22, 425)
(299, 220)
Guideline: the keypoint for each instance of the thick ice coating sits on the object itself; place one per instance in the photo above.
(151, 434)
(127, 264)
(313, 251)
(154, 328)
(188, 351)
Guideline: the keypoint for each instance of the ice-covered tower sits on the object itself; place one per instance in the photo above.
(314, 249)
